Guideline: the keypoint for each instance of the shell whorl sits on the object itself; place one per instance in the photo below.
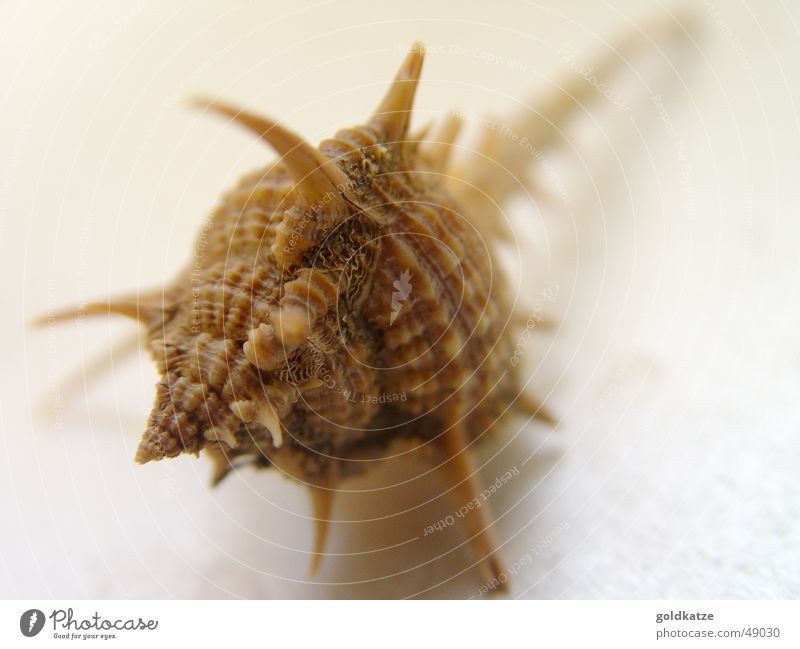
(344, 302)
(373, 283)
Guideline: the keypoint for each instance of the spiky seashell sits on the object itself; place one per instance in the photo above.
(363, 267)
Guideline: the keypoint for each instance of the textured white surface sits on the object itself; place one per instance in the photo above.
(674, 361)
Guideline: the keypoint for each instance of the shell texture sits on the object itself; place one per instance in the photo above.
(343, 300)
(303, 318)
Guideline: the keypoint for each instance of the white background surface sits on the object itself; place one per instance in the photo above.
(673, 363)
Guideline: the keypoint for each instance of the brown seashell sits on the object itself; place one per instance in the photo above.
(364, 266)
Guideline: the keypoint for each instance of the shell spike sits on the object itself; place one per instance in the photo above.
(436, 148)
(394, 113)
(460, 473)
(130, 308)
(268, 418)
(144, 452)
(528, 405)
(321, 505)
(318, 178)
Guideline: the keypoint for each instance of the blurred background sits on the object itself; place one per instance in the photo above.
(665, 212)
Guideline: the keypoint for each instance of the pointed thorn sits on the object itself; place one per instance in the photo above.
(321, 505)
(130, 309)
(493, 575)
(437, 147)
(143, 454)
(269, 419)
(529, 406)
(221, 464)
(421, 133)
(221, 434)
(460, 473)
(317, 177)
(220, 472)
(394, 112)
